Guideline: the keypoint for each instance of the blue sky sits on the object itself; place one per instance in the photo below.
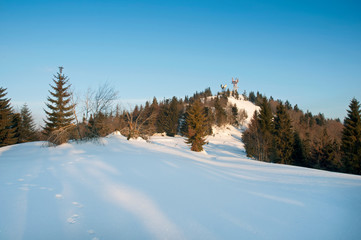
(307, 52)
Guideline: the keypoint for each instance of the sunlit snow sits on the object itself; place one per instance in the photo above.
(119, 189)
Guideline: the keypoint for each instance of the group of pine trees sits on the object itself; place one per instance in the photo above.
(277, 133)
(281, 134)
(15, 127)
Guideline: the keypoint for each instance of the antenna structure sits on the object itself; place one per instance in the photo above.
(235, 82)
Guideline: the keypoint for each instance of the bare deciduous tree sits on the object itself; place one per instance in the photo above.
(136, 125)
(103, 98)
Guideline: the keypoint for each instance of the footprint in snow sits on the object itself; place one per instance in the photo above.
(92, 232)
(72, 219)
(59, 196)
(77, 204)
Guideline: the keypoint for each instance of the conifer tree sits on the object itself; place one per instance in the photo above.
(351, 139)
(252, 97)
(265, 119)
(252, 138)
(282, 137)
(16, 122)
(235, 115)
(7, 131)
(298, 154)
(150, 117)
(197, 126)
(27, 130)
(60, 114)
(210, 120)
(221, 115)
(168, 117)
(258, 137)
(265, 116)
(325, 153)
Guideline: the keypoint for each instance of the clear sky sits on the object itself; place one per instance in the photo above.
(307, 52)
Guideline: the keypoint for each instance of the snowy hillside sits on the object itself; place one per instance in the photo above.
(242, 104)
(119, 189)
(248, 106)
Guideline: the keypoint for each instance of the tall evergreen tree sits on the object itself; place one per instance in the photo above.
(282, 137)
(27, 130)
(252, 138)
(197, 126)
(299, 154)
(16, 123)
(168, 117)
(252, 97)
(265, 116)
(258, 137)
(325, 153)
(149, 117)
(221, 114)
(7, 131)
(235, 115)
(351, 139)
(265, 119)
(210, 120)
(60, 114)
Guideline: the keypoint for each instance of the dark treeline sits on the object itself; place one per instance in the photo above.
(284, 134)
(279, 132)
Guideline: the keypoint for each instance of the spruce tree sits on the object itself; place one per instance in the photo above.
(351, 139)
(60, 114)
(265, 119)
(298, 154)
(168, 117)
(252, 138)
(7, 131)
(221, 114)
(325, 153)
(197, 126)
(210, 120)
(235, 115)
(252, 97)
(265, 116)
(282, 137)
(16, 122)
(27, 130)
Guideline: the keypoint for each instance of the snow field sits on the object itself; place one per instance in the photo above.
(119, 189)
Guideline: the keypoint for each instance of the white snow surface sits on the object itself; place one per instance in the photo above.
(248, 106)
(119, 189)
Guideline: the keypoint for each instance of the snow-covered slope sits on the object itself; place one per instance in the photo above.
(248, 106)
(242, 104)
(119, 189)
